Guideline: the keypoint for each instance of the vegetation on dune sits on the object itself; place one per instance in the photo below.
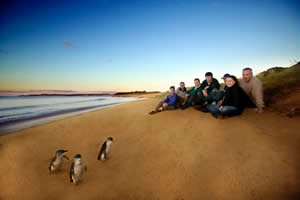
(282, 89)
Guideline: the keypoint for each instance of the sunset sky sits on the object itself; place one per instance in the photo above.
(141, 45)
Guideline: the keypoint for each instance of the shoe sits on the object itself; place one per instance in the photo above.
(184, 107)
(216, 115)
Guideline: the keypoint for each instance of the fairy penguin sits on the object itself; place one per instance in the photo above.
(105, 150)
(77, 169)
(57, 160)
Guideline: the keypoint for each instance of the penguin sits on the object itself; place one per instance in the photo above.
(105, 150)
(57, 160)
(77, 169)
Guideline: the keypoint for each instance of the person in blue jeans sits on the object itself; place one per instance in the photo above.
(233, 102)
(169, 103)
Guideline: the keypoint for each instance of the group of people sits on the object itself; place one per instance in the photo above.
(208, 97)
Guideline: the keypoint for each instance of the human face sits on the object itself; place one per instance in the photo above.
(229, 82)
(182, 85)
(208, 79)
(247, 75)
(197, 83)
(171, 90)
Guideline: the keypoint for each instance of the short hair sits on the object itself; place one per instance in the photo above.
(172, 87)
(208, 74)
(247, 68)
(181, 82)
(197, 79)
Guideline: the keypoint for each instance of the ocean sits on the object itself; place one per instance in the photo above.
(19, 112)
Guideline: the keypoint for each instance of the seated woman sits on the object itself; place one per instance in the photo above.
(168, 104)
(233, 102)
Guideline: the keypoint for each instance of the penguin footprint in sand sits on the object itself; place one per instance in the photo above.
(77, 169)
(105, 150)
(58, 160)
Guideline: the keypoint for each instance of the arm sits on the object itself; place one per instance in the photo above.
(213, 86)
(203, 85)
(190, 92)
(166, 99)
(204, 92)
(217, 84)
(257, 92)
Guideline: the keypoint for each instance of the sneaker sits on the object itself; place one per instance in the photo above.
(184, 107)
(152, 112)
(216, 115)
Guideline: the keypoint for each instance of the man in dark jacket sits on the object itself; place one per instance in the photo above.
(192, 96)
(208, 86)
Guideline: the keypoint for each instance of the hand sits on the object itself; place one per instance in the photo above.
(204, 93)
(220, 108)
(165, 105)
(220, 102)
(206, 87)
(260, 111)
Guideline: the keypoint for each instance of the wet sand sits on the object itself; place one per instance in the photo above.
(170, 155)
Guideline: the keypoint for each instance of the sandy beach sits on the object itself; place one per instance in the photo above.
(173, 155)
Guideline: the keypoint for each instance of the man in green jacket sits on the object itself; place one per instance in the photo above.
(208, 87)
(192, 96)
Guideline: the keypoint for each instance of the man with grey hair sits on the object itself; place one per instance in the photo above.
(253, 88)
(181, 91)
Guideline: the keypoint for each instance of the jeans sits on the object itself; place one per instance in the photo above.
(160, 105)
(226, 110)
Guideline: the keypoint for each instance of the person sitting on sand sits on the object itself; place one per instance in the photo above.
(233, 102)
(209, 85)
(193, 96)
(181, 91)
(168, 104)
(253, 88)
(218, 95)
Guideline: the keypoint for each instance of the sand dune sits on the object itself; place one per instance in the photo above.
(171, 155)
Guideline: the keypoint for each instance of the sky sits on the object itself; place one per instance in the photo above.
(109, 45)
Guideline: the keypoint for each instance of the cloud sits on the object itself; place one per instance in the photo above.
(3, 51)
(69, 44)
(109, 60)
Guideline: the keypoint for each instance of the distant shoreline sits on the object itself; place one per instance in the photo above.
(118, 94)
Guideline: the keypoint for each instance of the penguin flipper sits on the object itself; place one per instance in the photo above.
(99, 156)
(102, 150)
(51, 164)
(66, 157)
(50, 167)
(71, 172)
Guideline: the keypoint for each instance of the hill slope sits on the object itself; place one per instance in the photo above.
(282, 89)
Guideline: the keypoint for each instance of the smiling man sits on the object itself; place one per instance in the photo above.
(253, 88)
